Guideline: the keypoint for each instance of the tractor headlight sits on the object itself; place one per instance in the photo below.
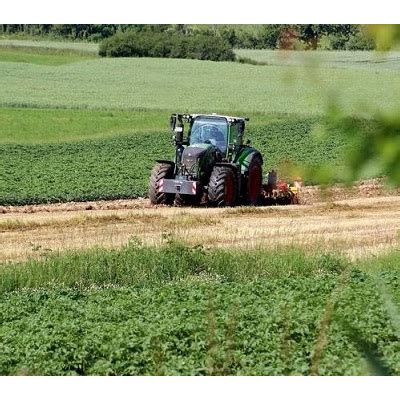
(190, 162)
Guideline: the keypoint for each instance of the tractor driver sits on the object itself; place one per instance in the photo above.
(209, 134)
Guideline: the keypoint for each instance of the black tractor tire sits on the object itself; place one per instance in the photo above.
(254, 182)
(182, 200)
(159, 172)
(222, 188)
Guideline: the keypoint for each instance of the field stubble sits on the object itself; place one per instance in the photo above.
(356, 227)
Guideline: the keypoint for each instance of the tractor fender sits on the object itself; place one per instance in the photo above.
(227, 164)
(245, 157)
(165, 162)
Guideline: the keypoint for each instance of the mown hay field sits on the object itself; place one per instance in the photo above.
(373, 61)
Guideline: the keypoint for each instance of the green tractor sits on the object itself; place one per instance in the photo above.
(212, 164)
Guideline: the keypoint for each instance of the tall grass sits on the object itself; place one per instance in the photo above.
(142, 266)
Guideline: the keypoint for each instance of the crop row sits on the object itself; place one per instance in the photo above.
(119, 167)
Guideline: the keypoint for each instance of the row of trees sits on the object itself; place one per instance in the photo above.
(304, 36)
(170, 45)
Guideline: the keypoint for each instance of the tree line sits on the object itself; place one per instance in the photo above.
(171, 45)
(274, 36)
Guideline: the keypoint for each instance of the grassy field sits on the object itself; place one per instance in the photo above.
(45, 53)
(168, 84)
(41, 126)
(325, 59)
(181, 310)
(43, 45)
(45, 57)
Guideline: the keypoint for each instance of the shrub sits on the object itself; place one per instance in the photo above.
(337, 41)
(325, 43)
(161, 44)
(360, 41)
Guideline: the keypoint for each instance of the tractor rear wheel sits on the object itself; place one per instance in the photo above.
(254, 182)
(222, 187)
(160, 171)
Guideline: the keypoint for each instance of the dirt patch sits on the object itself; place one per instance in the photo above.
(309, 195)
(133, 204)
(363, 189)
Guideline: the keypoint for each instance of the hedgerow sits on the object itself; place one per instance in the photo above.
(145, 44)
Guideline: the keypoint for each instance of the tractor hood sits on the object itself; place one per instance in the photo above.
(195, 151)
(192, 154)
(199, 153)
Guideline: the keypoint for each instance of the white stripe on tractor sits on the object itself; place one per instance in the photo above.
(194, 188)
(161, 187)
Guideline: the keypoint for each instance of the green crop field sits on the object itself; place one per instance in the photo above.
(168, 84)
(186, 311)
(77, 127)
(119, 167)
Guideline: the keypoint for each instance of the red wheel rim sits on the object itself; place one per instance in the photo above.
(255, 181)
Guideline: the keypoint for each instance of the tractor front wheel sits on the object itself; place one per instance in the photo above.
(160, 171)
(222, 187)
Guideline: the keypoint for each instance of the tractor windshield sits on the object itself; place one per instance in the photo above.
(212, 130)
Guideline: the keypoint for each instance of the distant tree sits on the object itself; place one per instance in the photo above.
(269, 35)
(229, 35)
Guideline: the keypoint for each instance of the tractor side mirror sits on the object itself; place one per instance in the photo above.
(178, 130)
(172, 122)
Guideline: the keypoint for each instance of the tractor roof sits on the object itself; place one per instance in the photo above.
(227, 117)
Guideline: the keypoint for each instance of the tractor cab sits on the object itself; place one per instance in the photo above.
(225, 133)
(209, 130)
